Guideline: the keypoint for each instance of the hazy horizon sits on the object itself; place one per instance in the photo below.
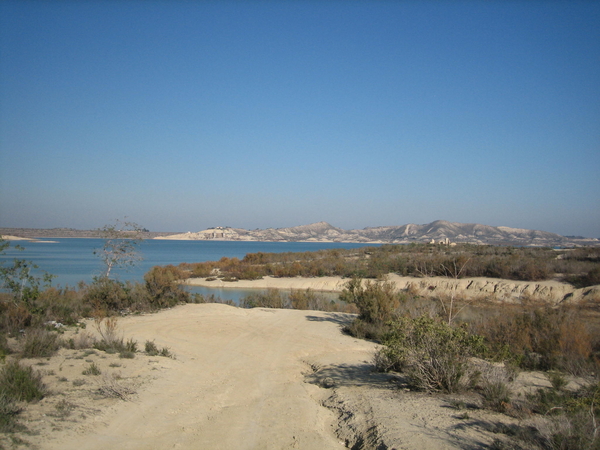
(182, 116)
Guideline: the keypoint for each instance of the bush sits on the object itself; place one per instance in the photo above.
(20, 383)
(40, 343)
(433, 354)
(367, 330)
(271, 298)
(570, 418)
(376, 301)
(539, 338)
(495, 388)
(14, 317)
(107, 295)
(164, 290)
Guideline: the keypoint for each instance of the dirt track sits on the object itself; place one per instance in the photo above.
(238, 382)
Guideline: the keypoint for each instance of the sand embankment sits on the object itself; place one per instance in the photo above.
(496, 289)
(7, 237)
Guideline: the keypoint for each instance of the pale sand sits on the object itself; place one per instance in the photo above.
(245, 379)
(8, 237)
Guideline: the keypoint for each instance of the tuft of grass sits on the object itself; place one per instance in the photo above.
(557, 379)
(150, 348)
(127, 355)
(131, 346)
(92, 369)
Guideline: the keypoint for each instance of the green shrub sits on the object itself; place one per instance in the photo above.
(367, 330)
(107, 295)
(271, 298)
(433, 354)
(40, 343)
(376, 301)
(20, 383)
(150, 348)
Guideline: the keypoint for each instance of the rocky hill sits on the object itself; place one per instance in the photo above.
(438, 231)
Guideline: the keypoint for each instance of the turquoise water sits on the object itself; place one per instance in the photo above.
(72, 260)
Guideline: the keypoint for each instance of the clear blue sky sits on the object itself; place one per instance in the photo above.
(182, 115)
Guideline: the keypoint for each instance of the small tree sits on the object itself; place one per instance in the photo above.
(121, 245)
(17, 277)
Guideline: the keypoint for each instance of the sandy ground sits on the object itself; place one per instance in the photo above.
(244, 379)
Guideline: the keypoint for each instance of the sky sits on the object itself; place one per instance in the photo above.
(183, 115)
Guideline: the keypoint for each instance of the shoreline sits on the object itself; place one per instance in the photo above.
(322, 284)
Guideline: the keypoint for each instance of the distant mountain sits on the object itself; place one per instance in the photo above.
(437, 231)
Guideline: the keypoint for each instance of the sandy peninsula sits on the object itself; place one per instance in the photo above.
(553, 292)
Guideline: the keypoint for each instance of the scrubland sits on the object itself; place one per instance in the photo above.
(474, 353)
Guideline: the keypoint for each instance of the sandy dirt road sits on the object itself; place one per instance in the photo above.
(238, 382)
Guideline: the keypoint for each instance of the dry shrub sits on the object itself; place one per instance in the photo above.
(162, 285)
(566, 432)
(112, 386)
(39, 343)
(110, 339)
(495, 387)
(81, 340)
(14, 317)
(539, 338)
(271, 298)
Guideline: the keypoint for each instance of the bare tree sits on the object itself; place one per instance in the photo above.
(453, 270)
(121, 245)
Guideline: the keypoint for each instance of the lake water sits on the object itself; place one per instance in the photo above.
(72, 260)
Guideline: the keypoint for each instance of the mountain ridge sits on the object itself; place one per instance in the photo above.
(436, 231)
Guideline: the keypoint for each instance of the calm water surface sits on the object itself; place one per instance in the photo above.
(72, 260)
